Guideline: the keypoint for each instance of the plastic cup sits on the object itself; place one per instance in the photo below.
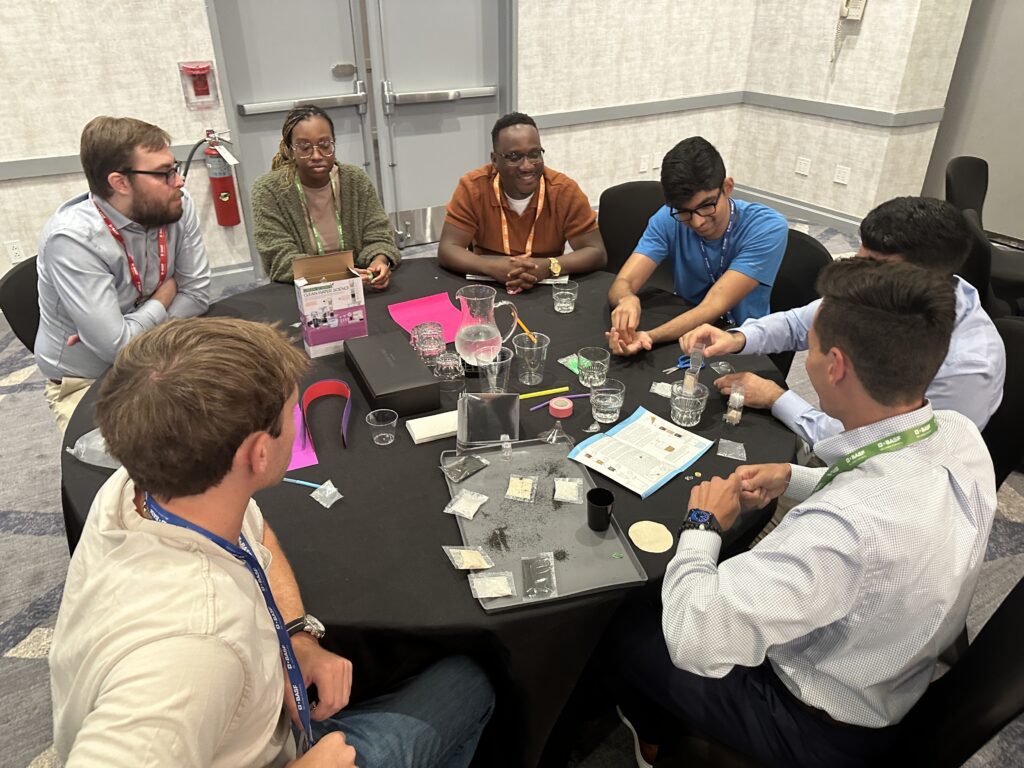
(687, 409)
(531, 354)
(564, 295)
(606, 400)
(382, 423)
(599, 508)
(593, 365)
(497, 370)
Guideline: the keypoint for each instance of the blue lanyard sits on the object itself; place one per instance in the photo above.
(244, 553)
(721, 261)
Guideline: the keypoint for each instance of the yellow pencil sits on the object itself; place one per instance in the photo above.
(526, 330)
(555, 391)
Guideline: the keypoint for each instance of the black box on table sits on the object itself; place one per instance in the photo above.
(391, 374)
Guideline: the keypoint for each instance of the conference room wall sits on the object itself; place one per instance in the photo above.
(894, 66)
(61, 64)
(593, 154)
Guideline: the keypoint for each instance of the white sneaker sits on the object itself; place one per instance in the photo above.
(641, 763)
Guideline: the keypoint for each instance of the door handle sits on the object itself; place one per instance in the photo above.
(427, 97)
(357, 99)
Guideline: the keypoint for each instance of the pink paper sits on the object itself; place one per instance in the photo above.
(429, 309)
(303, 454)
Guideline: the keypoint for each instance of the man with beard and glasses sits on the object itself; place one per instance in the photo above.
(116, 261)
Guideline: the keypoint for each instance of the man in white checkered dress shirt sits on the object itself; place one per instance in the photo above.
(804, 649)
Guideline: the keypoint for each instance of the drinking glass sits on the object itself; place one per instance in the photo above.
(497, 370)
(605, 403)
(688, 408)
(382, 424)
(564, 295)
(593, 365)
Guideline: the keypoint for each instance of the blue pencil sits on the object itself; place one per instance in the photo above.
(300, 482)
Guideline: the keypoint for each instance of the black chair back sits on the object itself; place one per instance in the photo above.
(805, 257)
(19, 301)
(967, 183)
(1003, 434)
(977, 267)
(973, 701)
(622, 215)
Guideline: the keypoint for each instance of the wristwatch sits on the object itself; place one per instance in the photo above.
(556, 267)
(308, 623)
(700, 520)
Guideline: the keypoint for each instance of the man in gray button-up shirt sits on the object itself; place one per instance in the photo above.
(91, 299)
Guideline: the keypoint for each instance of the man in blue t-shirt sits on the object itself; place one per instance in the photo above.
(724, 252)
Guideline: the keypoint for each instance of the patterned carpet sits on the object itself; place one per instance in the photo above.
(34, 560)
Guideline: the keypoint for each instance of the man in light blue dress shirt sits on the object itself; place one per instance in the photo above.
(924, 231)
(116, 261)
(805, 649)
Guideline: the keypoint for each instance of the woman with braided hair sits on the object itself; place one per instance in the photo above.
(310, 204)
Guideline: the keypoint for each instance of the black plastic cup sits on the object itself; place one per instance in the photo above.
(599, 508)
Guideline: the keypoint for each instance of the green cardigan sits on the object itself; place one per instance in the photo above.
(279, 224)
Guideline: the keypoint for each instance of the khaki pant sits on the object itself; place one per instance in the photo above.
(63, 398)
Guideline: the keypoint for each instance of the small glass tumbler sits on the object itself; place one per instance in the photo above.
(687, 409)
(382, 425)
(593, 365)
(606, 401)
(564, 295)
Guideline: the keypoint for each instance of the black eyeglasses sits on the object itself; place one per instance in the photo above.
(706, 210)
(304, 149)
(170, 175)
(516, 158)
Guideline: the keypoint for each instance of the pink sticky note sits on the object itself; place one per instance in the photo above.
(303, 454)
(436, 309)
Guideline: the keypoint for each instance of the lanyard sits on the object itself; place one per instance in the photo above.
(161, 240)
(721, 261)
(888, 444)
(244, 552)
(335, 204)
(504, 221)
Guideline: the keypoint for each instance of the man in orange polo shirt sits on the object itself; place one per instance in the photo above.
(510, 219)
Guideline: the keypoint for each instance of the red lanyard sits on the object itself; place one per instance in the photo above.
(504, 221)
(134, 270)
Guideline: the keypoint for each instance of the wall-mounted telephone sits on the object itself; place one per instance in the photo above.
(849, 10)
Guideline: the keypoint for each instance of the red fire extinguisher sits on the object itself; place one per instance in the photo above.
(222, 184)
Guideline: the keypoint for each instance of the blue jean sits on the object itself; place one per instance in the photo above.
(433, 719)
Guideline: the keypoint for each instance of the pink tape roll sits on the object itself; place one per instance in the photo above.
(560, 407)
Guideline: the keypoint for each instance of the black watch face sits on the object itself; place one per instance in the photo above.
(699, 516)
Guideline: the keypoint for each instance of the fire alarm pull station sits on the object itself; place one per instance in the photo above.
(199, 84)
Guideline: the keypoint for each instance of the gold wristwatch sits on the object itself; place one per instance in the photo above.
(556, 267)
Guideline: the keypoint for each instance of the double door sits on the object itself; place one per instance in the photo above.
(412, 88)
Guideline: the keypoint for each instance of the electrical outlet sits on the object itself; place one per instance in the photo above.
(645, 162)
(803, 166)
(14, 252)
(842, 174)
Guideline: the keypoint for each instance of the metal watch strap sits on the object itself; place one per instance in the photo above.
(555, 266)
(710, 524)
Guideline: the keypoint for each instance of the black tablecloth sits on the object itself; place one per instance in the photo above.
(371, 567)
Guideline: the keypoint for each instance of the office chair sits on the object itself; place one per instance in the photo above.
(19, 301)
(977, 268)
(622, 215)
(967, 183)
(1003, 434)
(794, 284)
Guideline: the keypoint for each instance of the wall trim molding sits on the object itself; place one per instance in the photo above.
(799, 209)
(874, 117)
(61, 165)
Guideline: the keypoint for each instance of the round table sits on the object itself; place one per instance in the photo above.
(371, 567)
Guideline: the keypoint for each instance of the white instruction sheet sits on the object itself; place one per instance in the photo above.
(642, 453)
